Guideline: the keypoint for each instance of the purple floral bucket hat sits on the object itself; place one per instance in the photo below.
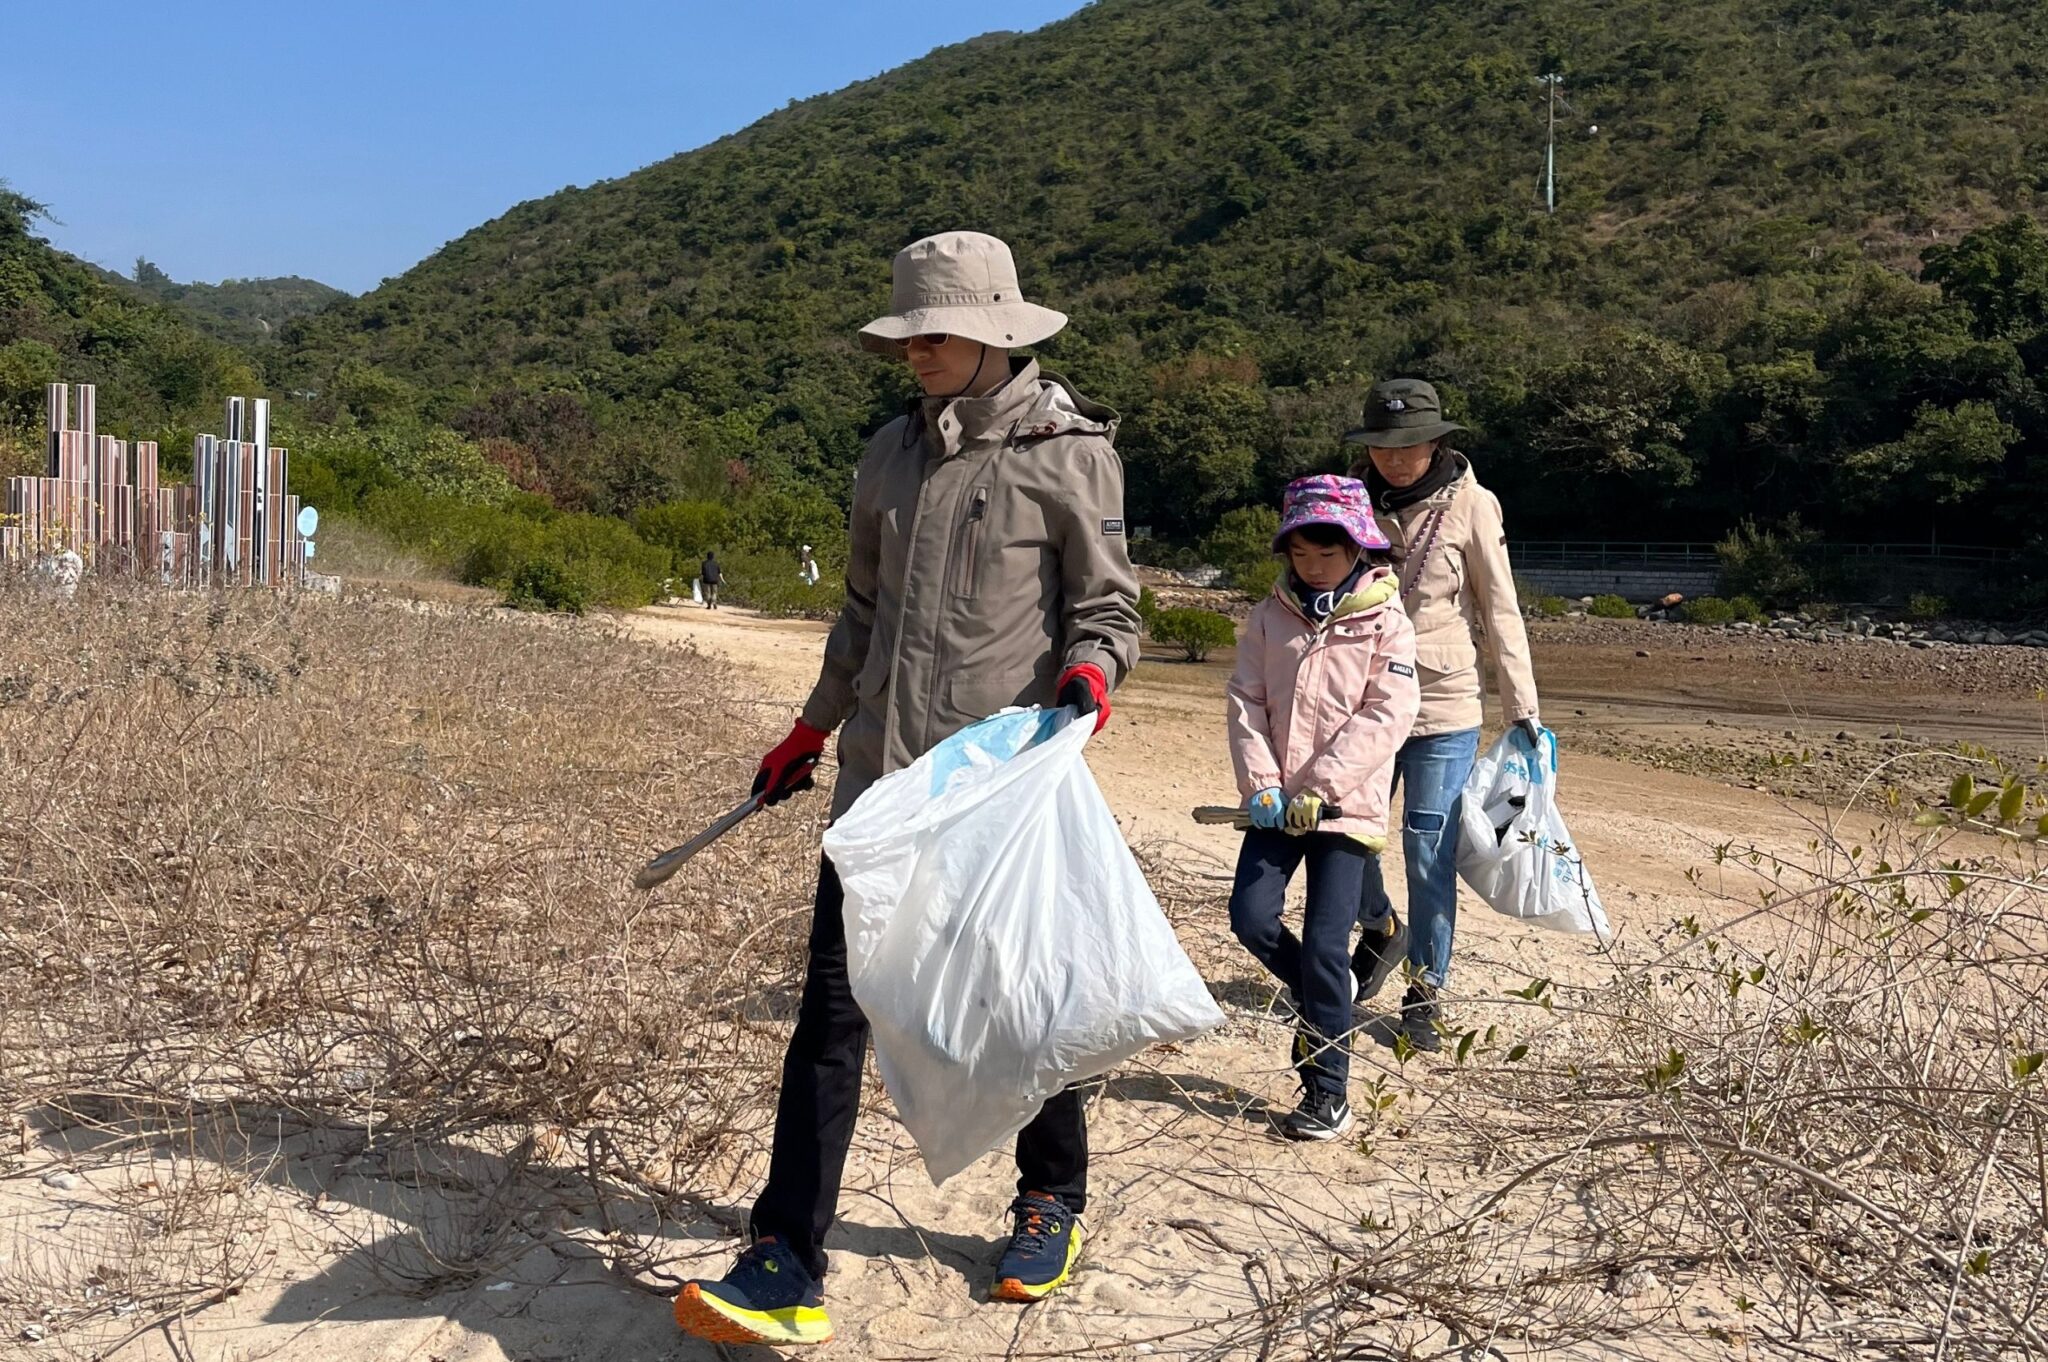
(1329, 500)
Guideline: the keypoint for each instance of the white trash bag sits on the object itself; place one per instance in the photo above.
(1000, 937)
(1513, 849)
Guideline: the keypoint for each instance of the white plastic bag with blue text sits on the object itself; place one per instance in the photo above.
(1000, 937)
(1513, 849)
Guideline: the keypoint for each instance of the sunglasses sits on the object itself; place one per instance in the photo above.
(935, 339)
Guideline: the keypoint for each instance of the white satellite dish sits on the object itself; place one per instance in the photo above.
(309, 521)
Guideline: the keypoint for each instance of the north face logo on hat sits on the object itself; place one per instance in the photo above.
(1396, 404)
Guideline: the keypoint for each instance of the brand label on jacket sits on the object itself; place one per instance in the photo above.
(1112, 527)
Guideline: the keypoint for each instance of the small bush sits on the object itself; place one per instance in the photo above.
(1148, 607)
(685, 528)
(1770, 565)
(768, 582)
(1255, 581)
(1611, 607)
(1196, 632)
(1923, 607)
(1708, 610)
(547, 583)
(1552, 606)
(1748, 610)
(1243, 540)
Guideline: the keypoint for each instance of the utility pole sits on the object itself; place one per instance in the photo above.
(1552, 80)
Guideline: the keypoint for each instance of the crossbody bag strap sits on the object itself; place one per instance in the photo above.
(1420, 558)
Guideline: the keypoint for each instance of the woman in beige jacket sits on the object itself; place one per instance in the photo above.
(1456, 584)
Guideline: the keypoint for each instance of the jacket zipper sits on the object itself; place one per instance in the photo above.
(967, 570)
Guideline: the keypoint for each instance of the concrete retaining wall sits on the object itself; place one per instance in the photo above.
(1634, 584)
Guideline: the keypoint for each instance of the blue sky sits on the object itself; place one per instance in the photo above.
(347, 140)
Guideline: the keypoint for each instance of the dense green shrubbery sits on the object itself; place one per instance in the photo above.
(497, 546)
(1551, 606)
(1771, 565)
(544, 583)
(767, 581)
(1707, 610)
(1196, 632)
(1611, 607)
(1148, 607)
(687, 529)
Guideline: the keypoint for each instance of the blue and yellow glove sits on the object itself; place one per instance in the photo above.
(1305, 814)
(1268, 809)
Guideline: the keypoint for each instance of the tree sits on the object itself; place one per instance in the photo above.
(1194, 454)
(18, 213)
(2000, 274)
(26, 366)
(1623, 405)
(1946, 457)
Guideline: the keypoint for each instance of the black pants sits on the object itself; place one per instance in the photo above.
(821, 1098)
(1316, 966)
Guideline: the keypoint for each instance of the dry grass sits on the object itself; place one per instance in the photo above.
(1814, 1118)
(293, 864)
(273, 869)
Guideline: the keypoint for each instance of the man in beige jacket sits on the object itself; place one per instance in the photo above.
(1456, 582)
(987, 568)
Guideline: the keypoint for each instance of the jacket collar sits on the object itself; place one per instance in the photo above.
(1368, 598)
(1035, 404)
(949, 424)
(1443, 496)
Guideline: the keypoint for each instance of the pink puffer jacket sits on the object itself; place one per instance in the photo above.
(1323, 711)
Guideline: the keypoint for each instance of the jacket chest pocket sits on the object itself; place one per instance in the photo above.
(967, 543)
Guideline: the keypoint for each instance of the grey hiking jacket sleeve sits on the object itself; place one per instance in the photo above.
(833, 700)
(1099, 586)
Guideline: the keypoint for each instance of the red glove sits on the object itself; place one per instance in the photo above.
(787, 770)
(1087, 690)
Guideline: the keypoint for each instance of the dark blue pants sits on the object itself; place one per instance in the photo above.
(1316, 967)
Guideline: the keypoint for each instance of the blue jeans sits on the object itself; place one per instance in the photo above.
(1432, 771)
(1316, 968)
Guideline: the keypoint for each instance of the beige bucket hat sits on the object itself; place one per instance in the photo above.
(959, 284)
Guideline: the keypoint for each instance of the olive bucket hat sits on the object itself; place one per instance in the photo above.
(1399, 413)
(959, 284)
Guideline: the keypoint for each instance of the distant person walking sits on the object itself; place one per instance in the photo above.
(807, 567)
(711, 574)
(1456, 582)
(986, 567)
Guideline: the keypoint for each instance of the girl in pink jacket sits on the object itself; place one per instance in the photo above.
(1323, 697)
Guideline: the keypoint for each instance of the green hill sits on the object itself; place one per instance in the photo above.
(240, 311)
(1253, 206)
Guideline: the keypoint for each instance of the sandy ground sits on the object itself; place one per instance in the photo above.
(1197, 1208)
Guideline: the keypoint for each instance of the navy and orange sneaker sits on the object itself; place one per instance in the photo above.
(768, 1297)
(1042, 1251)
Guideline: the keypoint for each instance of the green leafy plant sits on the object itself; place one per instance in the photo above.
(1924, 607)
(1611, 607)
(1771, 565)
(547, 583)
(1708, 610)
(1148, 607)
(1196, 632)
